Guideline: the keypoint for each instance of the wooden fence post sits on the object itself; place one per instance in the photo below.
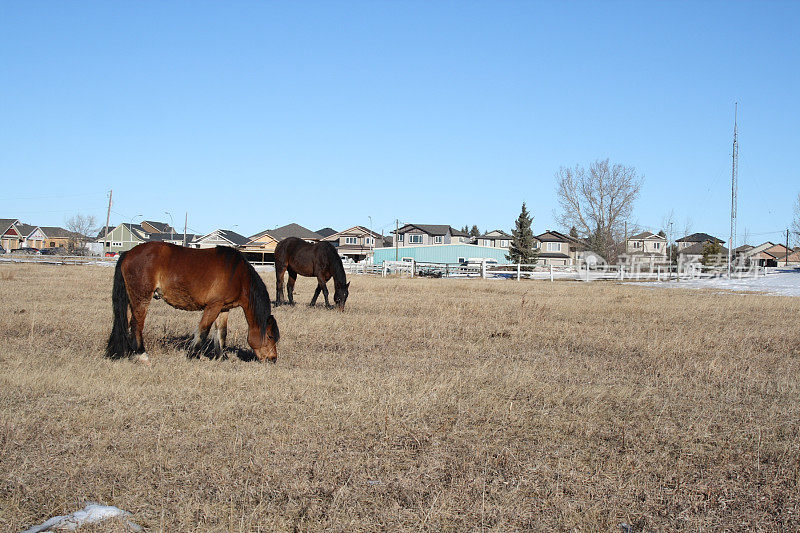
(551, 271)
(518, 270)
(483, 268)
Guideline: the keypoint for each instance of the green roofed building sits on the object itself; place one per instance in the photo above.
(441, 253)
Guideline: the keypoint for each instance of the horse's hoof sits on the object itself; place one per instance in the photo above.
(142, 358)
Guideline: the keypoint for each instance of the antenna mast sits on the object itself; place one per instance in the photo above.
(734, 177)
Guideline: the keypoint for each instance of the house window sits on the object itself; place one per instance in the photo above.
(415, 239)
(400, 238)
(438, 239)
(117, 244)
(637, 244)
(657, 245)
(553, 246)
(350, 240)
(503, 243)
(369, 241)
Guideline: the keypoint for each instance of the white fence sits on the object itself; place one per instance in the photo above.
(484, 270)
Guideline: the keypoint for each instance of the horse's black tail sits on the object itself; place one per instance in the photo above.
(119, 343)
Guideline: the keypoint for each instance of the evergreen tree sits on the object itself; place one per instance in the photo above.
(573, 232)
(712, 253)
(662, 234)
(474, 232)
(465, 229)
(521, 249)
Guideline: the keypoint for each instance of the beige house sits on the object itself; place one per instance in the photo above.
(494, 239)
(648, 245)
(219, 237)
(261, 246)
(429, 234)
(557, 249)
(696, 238)
(356, 243)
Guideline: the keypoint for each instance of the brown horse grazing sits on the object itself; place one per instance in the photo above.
(319, 260)
(214, 280)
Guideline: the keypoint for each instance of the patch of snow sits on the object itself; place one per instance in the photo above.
(91, 514)
(780, 283)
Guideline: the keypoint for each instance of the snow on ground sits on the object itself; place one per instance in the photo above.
(92, 514)
(782, 282)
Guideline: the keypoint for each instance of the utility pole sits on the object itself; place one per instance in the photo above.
(787, 247)
(734, 175)
(185, 223)
(108, 218)
(396, 235)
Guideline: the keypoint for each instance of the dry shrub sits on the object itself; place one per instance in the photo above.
(429, 404)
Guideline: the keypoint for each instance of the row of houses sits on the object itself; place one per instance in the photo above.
(649, 246)
(15, 235)
(434, 243)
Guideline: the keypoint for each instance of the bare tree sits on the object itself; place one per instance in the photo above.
(81, 227)
(796, 221)
(598, 202)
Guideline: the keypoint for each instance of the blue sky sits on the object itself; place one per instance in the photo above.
(251, 115)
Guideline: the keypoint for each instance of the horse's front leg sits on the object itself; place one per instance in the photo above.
(198, 345)
(290, 286)
(325, 295)
(316, 295)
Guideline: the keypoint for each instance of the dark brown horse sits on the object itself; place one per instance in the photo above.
(319, 260)
(214, 280)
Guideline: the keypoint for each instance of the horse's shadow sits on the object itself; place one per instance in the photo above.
(183, 342)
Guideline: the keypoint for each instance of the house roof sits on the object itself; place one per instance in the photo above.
(700, 237)
(355, 230)
(289, 230)
(557, 236)
(102, 233)
(162, 227)
(326, 232)
(230, 236)
(742, 248)
(433, 229)
(697, 249)
(6, 223)
(56, 232)
(646, 235)
(26, 229)
(777, 250)
(503, 235)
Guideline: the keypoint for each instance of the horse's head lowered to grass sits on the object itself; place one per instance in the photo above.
(340, 294)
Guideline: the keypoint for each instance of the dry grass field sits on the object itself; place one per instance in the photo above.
(427, 405)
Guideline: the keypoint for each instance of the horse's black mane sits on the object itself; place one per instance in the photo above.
(337, 269)
(259, 296)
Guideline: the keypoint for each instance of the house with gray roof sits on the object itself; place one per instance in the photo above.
(429, 234)
(219, 237)
(696, 238)
(10, 236)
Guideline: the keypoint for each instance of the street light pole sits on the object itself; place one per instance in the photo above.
(171, 227)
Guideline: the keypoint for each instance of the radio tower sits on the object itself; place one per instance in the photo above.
(734, 176)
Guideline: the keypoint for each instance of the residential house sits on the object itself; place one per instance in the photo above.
(556, 249)
(494, 239)
(56, 237)
(32, 236)
(429, 234)
(265, 241)
(123, 237)
(647, 244)
(219, 237)
(10, 236)
(356, 243)
(696, 238)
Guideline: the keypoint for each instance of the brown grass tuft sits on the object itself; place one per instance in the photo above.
(429, 404)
